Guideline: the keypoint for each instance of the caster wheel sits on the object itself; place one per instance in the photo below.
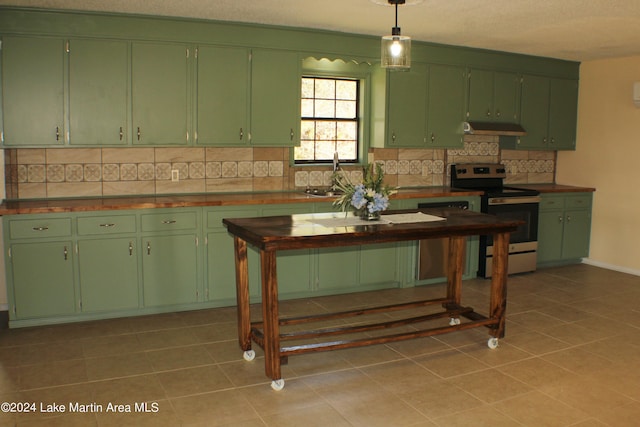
(277, 385)
(492, 343)
(454, 321)
(249, 355)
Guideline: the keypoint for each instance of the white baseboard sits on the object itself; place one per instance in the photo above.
(611, 267)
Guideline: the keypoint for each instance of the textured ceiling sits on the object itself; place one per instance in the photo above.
(568, 29)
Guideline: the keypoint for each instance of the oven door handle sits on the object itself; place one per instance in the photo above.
(513, 200)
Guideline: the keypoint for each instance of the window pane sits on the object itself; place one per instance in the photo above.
(307, 88)
(345, 109)
(307, 108)
(325, 150)
(347, 131)
(347, 150)
(325, 88)
(307, 129)
(346, 89)
(325, 108)
(305, 151)
(326, 131)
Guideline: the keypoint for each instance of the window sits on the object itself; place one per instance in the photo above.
(330, 120)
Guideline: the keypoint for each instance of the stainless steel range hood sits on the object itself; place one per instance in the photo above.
(494, 128)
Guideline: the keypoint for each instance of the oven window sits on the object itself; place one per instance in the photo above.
(527, 212)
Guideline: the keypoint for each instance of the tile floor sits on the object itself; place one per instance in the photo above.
(571, 357)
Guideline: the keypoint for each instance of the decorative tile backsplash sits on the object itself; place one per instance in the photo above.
(92, 172)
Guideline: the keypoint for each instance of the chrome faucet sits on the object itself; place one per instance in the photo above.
(336, 169)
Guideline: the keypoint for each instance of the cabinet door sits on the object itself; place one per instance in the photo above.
(223, 96)
(506, 96)
(108, 274)
(275, 98)
(550, 231)
(481, 89)
(170, 270)
(446, 106)
(563, 114)
(160, 94)
(577, 230)
(534, 112)
(407, 107)
(378, 264)
(33, 69)
(43, 279)
(98, 92)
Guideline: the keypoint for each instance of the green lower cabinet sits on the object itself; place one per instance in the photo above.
(338, 268)
(564, 228)
(108, 271)
(43, 279)
(378, 264)
(170, 270)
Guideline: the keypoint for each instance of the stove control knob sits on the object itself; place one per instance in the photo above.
(461, 171)
(501, 170)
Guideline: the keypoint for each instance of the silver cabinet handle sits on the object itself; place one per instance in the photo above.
(139, 133)
(108, 225)
(568, 218)
(66, 253)
(241, 134)
(130, 248)
(488, 112)
(169, 221)
(40, 228)
(433, 137)
(497, 113)
(57, 133)
(291, 134)
(560, 218)
(544, 140)
(148, 248)
(121, 133)
(393, 137)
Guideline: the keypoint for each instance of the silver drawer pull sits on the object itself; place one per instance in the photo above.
(40, 228)
(108, 225)
(169, 221)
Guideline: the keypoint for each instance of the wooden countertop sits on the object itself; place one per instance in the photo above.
(555, 188)
(13, 207)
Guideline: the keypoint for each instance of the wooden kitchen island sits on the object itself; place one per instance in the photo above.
(272, 234)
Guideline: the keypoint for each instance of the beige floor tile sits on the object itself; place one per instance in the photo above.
(451, 363)
(482, 416)
(490, 385)
(588, 396)
(537, 373)
(141, 388)
(320, 415)
(535, 409)
(121, 365)
(440, 398)
(403, 376)
(214, 409)
(52, 374)
(188, 381)
(296, 396)
(180, 357)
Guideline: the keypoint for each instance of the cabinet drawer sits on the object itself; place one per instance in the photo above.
(214, 218)
(551, 203)
(582, 201)
(109, 224)
(39, 228)
(169, 221)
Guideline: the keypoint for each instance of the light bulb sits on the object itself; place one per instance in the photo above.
(396, 49)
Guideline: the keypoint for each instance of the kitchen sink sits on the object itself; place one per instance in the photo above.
(320, 192)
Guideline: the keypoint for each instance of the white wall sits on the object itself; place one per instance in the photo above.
(608, 158)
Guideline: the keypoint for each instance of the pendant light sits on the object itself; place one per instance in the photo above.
(396, 48)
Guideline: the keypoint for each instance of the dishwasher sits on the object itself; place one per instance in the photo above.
(433, 252)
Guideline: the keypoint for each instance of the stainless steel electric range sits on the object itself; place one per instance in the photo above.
(507, 202)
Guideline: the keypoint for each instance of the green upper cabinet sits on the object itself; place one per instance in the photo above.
(425, 107)
(33, 91)
(407, 107)
(98, 92)
(493, 96)
(446, 106)
(222, 96)
(275, 98)
(160, 93)
(549, 111)
(563, 114)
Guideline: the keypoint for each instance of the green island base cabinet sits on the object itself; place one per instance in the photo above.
(69, 267)
(564, 228)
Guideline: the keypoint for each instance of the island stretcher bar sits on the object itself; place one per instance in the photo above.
(272, 234)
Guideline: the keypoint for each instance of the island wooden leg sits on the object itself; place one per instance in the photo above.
(242, 294)
(498, 302)
(270, 316)
(455, 268)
